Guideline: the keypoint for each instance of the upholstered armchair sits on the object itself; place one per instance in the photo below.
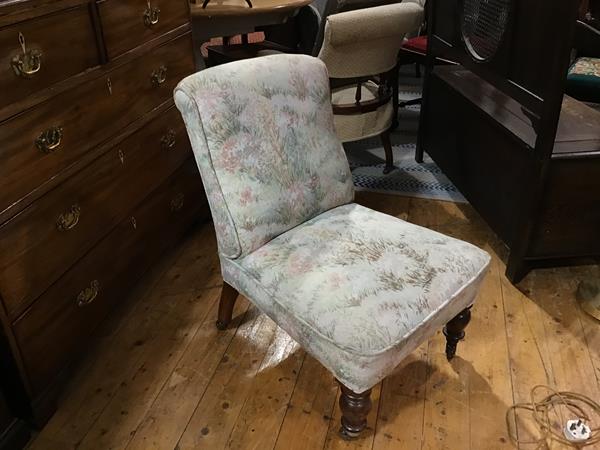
(358, 289)
(360, 50)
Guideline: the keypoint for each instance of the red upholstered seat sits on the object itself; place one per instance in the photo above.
(416, 44)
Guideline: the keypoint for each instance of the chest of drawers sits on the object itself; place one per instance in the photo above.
(96, 172)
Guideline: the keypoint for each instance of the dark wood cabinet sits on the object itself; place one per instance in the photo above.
(97, 177)
(526, 156)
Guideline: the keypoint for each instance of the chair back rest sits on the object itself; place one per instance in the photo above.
(262, 134)
(366, 41)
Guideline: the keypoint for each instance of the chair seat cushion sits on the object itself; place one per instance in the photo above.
(416, 44)
(358, 289)
(353, 127)
(583, 80)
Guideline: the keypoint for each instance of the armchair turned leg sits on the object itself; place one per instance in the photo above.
(355, 408)
(455, 331)
(228, 297)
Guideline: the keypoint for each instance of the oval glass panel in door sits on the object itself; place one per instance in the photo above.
(483, 26)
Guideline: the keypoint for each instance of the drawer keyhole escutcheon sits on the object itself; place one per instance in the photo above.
(69, 219)
(89, 294)
(134, 223)
(167, 142)
(151, 15)
(177, 202)
(49, 140)
(28, 62)
(159, 76)
(121, 156)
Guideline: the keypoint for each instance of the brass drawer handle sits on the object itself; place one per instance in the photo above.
(89, 294)
(68, 220)
(159, 75)
(28, 63)
(167, 142)
(177, 202)
(151, 15)
(49, 140)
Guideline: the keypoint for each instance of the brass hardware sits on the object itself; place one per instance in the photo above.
(109, 85)
(167, 142)
(121, 156)
(49, 140)
(28, 63)
(89, 294)
(69, 219)
(133, 223)
(159, 75)
(151, 15)
(177, 202)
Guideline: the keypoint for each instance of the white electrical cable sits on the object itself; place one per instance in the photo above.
(547, 412)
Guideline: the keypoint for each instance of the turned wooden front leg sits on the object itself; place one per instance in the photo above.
(455, 331)
(228, 297)
(355, 408)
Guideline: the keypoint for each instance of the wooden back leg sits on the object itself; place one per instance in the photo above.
(228, 297)
(455, 331)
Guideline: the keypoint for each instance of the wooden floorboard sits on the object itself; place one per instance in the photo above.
(160, 375)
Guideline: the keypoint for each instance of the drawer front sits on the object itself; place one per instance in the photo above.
(42, 242)
(59, 323)
(38, 144)
(127, 24)
(49, 49)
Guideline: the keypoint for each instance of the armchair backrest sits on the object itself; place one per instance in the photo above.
(263, 137)
(366, 41)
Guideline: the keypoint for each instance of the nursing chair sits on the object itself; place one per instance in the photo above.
(357, 289)
(360, 50)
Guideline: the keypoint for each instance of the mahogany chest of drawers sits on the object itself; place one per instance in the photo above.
(96, 173)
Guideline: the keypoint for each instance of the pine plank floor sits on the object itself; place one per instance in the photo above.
(160, 376)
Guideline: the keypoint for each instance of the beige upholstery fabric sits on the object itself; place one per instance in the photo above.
(359, 126)
(367, 41)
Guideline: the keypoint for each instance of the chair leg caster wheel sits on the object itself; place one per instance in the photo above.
(348, 435)
(221, 325)
(388, 169)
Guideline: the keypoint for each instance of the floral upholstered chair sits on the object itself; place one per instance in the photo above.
(359, 290)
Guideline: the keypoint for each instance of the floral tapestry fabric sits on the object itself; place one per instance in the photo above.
(360, 289)
(586, 66)
(263, 136)
(583, 81)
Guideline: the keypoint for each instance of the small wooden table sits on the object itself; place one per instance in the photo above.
(231, 17)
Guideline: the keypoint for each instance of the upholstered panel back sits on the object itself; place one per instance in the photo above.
(263, 137)
(366, 41)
